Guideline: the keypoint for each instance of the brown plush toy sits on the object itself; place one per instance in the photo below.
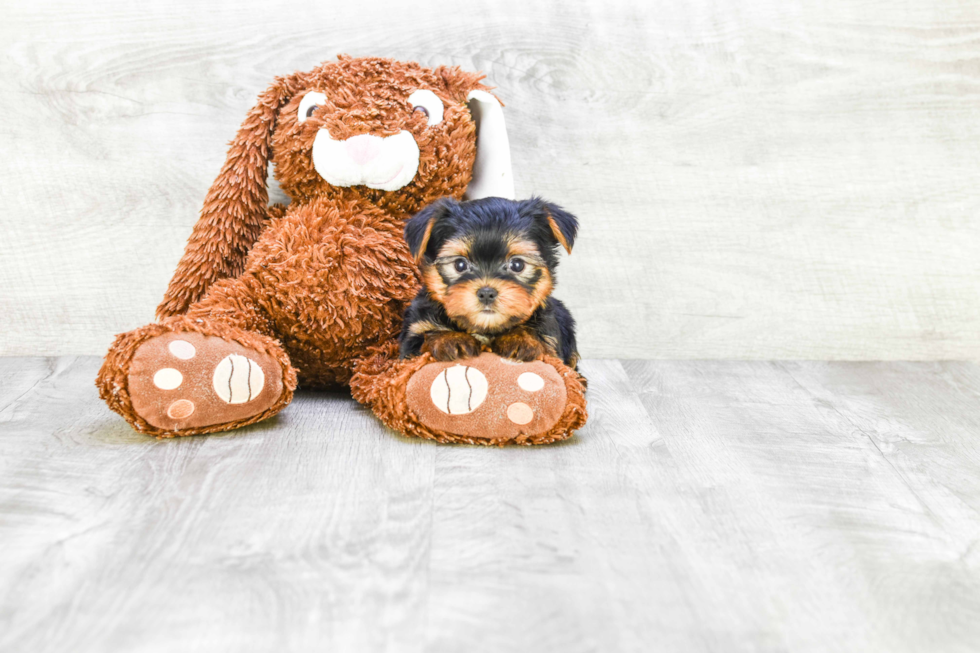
(315, 291)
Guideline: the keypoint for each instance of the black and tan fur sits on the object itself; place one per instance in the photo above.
(488, 271)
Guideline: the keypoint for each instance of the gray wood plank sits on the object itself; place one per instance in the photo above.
(22, 375)
(707, 506)
(817, 523)
(775, 179)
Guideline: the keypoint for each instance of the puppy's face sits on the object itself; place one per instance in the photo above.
(393, 132)
(489, 280)
(489, 262)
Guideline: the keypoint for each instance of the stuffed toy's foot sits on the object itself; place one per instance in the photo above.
(168, 381)
(481, 400)
(487, 397)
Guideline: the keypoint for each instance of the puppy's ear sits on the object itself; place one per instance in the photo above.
(562, 224)
(418, 230)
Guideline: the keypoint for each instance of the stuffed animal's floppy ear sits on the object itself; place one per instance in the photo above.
(236, 206)
(418, 230)
(492, 174)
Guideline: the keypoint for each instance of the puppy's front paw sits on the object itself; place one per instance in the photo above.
(519, 344)
(450, 345)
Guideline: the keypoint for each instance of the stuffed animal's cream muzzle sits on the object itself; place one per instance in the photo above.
(385, 163)
(389, 163)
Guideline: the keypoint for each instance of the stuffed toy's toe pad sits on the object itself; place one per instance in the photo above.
(487, 397)
(187, 380)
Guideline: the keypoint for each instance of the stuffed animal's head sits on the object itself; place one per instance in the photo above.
(394, 133)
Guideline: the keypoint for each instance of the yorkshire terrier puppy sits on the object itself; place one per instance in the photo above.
(488, 268)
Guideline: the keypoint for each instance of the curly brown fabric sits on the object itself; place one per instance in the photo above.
(323, 282)
(381, 381)
(113, 384)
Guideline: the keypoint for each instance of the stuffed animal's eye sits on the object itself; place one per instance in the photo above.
(428, 102)
(310, 103)
(460, 265)
(516, 265)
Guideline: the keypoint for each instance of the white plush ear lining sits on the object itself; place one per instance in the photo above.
(492, 174)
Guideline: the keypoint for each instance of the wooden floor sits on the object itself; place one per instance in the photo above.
(708, 506)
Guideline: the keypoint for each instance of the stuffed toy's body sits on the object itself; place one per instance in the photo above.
(266, 297)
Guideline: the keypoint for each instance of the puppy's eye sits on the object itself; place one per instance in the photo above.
(460, 265)
(429, 103)
(516, 265)
(309, 104)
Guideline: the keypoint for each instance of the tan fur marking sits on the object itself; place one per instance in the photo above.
(433, 282)
(425, 240)
(543, 289)
(516, 247)
(558, 234)
(514, 305)
(425, 326)
(450, 345)
(455, 247)
(519, 343)
(551, 343)
(514, 301)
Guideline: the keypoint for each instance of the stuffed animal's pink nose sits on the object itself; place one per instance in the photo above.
(363, 148)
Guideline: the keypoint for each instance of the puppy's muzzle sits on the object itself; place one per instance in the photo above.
(385, 163)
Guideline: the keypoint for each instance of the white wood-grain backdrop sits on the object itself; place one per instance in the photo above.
(755, 179)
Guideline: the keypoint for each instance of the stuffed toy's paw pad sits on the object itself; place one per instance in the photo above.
(182, 380)
(487, 397)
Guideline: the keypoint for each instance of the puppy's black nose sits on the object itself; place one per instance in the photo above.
(486, 295)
